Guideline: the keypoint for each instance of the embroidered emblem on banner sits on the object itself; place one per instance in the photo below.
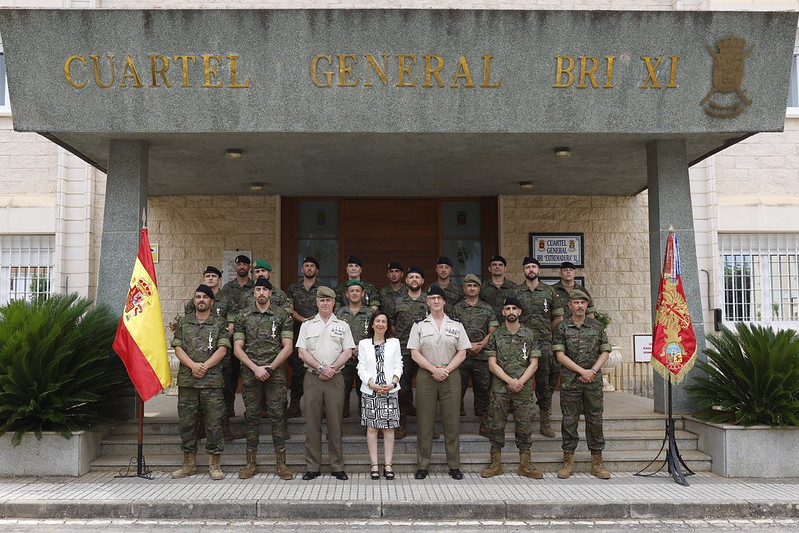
(728, 74)
(138, 298)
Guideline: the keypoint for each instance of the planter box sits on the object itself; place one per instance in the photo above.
(52, 456)
(753, 451)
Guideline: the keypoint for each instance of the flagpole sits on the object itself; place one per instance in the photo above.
(140, 454)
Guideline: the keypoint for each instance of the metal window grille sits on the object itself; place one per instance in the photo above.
(26, 266)
(760, 277)
(793, 92)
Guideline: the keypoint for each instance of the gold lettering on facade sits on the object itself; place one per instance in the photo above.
(156, 70)
(609, 77)
(68, 71)
(234, 74)
(587, 72)
(487, 73)
(728, 74)
(561, 70)
(345, 64)
(184, 63)
(462, 72)
(381, 72)
(129, 71)
(430, 72)
(405, 70)
(97, 79)
(587, 77)
(673, 76)
(651, 73)
(314, 71)
(210, 70)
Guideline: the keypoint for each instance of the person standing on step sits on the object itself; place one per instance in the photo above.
(263, 340)
(357, 316)
(495, 289)
(453, 291)
(371, 296)
(201, 342)
(395, 288)
(581, 346)
(513, 355)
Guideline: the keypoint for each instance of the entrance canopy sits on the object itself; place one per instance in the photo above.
(396, 102)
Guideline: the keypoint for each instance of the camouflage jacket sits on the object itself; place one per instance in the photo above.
(303, 301)
(582, 344)
(200, 340)
(562, 295)
(406, 312)
(278, 298)
(234, 294)
(263, 332)
(388, 296)
(371, 296)
(220, 307)
(513, 352)
(476, 320)
(358, 323)
(495, 296)
(539, 307)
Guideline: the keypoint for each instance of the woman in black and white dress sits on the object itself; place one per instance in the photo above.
(380, 368)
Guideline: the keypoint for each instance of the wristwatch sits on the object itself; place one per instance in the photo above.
(320, 368)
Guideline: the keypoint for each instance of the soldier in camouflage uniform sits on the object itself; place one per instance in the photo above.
(201, 343)
(539, 310)
(452, 290)
(581, 346)
(513, 358)
(263, 340)
(302, 298)
(371, 296)
(495, 290)
(394, 289)
(408, 309)
(261, 268)
(479, 321)
(564, 288)
(357, 315)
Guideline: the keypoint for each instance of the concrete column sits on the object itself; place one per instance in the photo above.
(125, 203)
(670, 205)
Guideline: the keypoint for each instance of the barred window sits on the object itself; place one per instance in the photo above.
(26, 266)
(760, 278)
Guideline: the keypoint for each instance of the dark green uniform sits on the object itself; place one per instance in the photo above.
(539, 307)
(454, 295)
(476, 320)
(304, 303)
(359, 324)
(582, 344)
(278, 298)
(203, 397)
(406, 312)
(233, 294)
(562, 298)
(371, 296)
(388, 297)
(513, 352)
(263, 333)
(495, 296)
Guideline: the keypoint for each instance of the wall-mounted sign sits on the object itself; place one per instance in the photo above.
(642, 348)
(552, 249)
(154, 251)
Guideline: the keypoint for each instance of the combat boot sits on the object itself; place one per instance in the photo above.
(526, 468)
(568, 465)
(545, 429)
(495, 468)
(251, 468)
(280, 463)
(484, 430)
(597, 467)
(189, 466)
(215, 467)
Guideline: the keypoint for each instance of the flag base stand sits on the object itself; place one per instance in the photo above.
(673, 459)
(141, 468)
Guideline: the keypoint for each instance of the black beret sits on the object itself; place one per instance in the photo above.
(527, 260)
(263, 282)
(498, 258)
(417, 270)
(435, 290)
(205, 289)
(394, 265)
(242, 259)
(212, 270)
(354, 260)
(567, 264)
(444, 261)
(310, 259)
(512, 300)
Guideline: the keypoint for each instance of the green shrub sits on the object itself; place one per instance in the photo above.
(57, 369)
(752, 377)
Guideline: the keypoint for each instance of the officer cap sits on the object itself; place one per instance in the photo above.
(417, 270)
(577, 294)
(435, 290)
(443, 260)
(212, 270)
(527, 260)
(325, 292)
(471, 278)
(263, 282)
(206, 290)
(310, 259)
(498, 258)
(512, 300)
(352, 282)
(567, 264)
(354, 260)
(242, 259)
(393, 265)
(262, 263)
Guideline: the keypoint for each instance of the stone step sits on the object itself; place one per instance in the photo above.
(356, 444)
(547, 462)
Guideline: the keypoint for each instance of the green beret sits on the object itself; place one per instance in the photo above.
(262, 263)
(352, 282)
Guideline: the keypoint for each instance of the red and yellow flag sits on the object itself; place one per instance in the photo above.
(673, 339)
(140, 339)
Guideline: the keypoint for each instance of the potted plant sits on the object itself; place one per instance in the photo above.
(59, 383)
(749, 399)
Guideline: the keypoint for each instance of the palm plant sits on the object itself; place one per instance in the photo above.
(57, 369)
(751, 377)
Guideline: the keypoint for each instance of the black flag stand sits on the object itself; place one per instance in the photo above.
(673, 459)
(141, 467)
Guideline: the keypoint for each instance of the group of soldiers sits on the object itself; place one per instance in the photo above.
(517, 334)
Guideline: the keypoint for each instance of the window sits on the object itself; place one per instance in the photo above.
(26, 266)
(760, 278)
(5, 106)
(793, 91)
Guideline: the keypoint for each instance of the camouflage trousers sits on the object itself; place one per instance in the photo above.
(297, 375)
(253, 392)
(587, 398)
(520, 404)
(546, 377)
(405, 394)
(481, 383)
(350, 374)
(194, 404)
(231, 382)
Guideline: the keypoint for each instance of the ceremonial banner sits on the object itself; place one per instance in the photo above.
(673, 339)
(140, 340)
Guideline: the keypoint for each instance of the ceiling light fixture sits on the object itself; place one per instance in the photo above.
(526, 185)
(257, 186)
(234, 153)
(563, 152)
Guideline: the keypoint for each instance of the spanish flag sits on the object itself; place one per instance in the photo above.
(140, 339)
(673, 339)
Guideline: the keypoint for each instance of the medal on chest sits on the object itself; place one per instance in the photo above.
(274, 329)
(210, 341)
(366, 328)
(366, 299)
(546, 305)
(524, 351)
